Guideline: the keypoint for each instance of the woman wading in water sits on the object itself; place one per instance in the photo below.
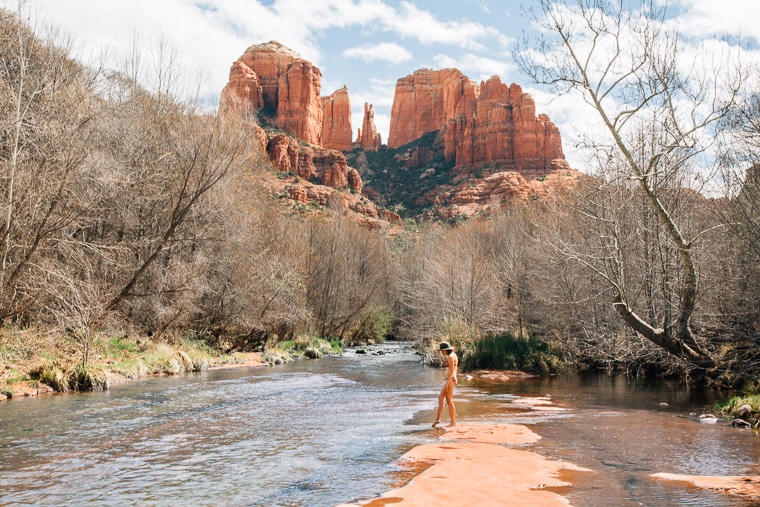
(447, 391)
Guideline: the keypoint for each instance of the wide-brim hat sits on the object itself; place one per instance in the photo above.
(446, 346)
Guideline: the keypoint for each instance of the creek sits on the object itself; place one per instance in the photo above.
(329, 431)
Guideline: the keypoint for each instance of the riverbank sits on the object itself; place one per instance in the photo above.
(33, 362)
(472, 467)
(484, 464)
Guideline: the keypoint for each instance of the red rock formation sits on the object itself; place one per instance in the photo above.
(269, 61)
(299, 107)
(489, 124)
(505, 131)
(243, 93)
(368, 137)
(479, 194)
(336, 121)
(426, 100)
(305, 193)
(330, 166)
(289, 89)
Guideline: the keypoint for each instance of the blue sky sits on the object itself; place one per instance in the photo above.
(364, 44)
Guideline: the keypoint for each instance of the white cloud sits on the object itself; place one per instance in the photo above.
(384, 51)
(476, 67)
(576, 121)
(425, 27)
(213, 33)
(706, 18)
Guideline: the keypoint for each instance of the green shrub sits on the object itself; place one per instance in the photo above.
(504, 352)
(374, 325)
(729, 407)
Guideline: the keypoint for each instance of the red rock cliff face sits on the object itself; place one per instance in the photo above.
(289, 89)
(269, 61)
(336, 126)
(299, 107)
(425, 101)
(486, 124)
(368, 137)
(243, 93)
(272, 78)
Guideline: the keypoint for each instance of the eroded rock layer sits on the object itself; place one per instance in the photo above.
(274, 80)
(311, 162)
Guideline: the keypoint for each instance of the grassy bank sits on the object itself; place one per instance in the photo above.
(35, 361)
(744, 406)
(31, 359)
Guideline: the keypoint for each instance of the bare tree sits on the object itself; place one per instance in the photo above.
(46, 116)
(657, 110)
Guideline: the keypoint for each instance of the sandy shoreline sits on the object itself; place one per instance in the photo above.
(472, 467)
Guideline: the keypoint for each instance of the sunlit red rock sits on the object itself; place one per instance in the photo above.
(299, 107)
(336, 121)
(368, 137)
(329, 166)
(288, 89)
(486, 124)
(243, 93)
(476, 195)
(269, 61)
(368, 214)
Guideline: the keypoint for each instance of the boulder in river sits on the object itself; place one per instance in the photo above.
(312, 353)
(743, 412)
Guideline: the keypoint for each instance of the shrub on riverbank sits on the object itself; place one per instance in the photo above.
(500, 352)
(731, 406)
(373, 326)
(505, 352)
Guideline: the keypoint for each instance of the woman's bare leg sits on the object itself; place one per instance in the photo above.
(441, 397)
(450, 402)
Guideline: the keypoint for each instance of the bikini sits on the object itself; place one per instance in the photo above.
(446, 364)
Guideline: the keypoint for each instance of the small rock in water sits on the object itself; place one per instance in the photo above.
(361, 351)
(743, 411)
(312, 353)
(708, 419)
(663, 404)
(740, 423)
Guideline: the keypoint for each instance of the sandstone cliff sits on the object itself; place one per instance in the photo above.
(243, 93)
(368, 137)
(274, 79)
(336, 118)
(475, 143)
(483, 125)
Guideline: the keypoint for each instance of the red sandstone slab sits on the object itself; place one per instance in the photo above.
(476, 473)
(742, 486)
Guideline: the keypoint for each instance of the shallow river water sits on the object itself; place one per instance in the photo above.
(329, 431)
